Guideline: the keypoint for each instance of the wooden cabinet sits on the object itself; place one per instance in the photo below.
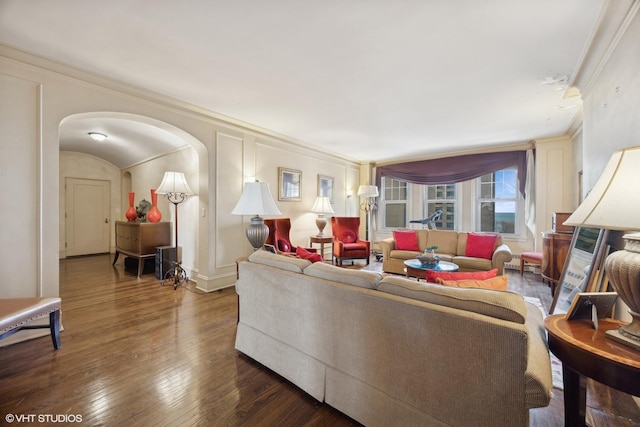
(555, 247)
(140, 239)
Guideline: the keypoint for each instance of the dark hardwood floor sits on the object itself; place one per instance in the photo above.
(137, 353)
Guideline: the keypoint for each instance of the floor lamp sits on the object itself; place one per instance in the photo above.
(176, 190)
(370, 193)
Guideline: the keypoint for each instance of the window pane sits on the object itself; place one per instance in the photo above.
(395, 189)
(498, 217)
(395, 215)
(447, 220)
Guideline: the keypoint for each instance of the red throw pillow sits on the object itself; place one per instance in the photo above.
(406, 240)
(284, 245)
(348, 237)
(305, 254)
(433, 276)
(480, 245)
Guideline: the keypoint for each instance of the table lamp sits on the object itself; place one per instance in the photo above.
(256, 200)
(321, 206)
(613, 204)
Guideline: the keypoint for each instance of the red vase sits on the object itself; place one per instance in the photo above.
(131, 213)
(154, 214)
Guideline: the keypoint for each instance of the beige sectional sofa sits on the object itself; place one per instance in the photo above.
(393, 351)
(451, 247)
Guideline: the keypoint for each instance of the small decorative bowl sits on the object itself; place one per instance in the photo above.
(428, 259)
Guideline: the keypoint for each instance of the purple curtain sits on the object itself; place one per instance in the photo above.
(450, 170)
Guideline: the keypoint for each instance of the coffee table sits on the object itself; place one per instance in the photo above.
(414, 268)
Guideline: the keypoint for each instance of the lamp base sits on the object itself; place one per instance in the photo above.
(321, 223)
(623, 269)
(257, 232)
(615, 335)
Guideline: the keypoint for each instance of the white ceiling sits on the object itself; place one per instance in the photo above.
(374, 80)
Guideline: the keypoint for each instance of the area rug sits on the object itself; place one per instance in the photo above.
(556, 365)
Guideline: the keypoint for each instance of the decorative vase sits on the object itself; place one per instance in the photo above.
(623, 270)
(131, 213)
(154, 214)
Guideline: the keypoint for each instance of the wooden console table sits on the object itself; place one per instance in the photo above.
(555, 247)
(140, 240)
(586, 352)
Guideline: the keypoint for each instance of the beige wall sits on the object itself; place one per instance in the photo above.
(611, 94)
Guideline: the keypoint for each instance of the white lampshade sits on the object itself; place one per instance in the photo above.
(322, 205)
(174, 183)
(368, 191)
(256, 200)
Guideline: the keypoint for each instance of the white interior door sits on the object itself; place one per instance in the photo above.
(88, 206)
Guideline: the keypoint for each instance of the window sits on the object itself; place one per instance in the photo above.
(442, 197)
(498, 201)
(394, 203)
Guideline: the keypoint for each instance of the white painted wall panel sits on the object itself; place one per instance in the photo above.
(19, 178)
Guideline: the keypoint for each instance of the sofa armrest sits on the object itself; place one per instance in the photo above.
(387, 246)
(501, 255)
(538, 378)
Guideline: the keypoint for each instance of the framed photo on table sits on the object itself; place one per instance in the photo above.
(325, 187)
(289, 185)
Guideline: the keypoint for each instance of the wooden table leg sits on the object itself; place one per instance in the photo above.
(115, 258)
(575, 397)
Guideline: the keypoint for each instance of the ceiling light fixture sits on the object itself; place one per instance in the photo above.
(97, 136)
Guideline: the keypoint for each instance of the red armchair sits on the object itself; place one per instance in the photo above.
(346, 240)
(279, 236)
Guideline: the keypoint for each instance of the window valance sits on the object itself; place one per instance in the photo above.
(450, 170)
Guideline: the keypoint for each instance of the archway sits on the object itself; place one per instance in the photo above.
(141, 149)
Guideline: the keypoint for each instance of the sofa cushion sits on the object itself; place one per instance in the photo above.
(363, 279)
(289, 263)
(305, 254)
(498, 304)
(406, 240)
(499, 283)
(445, 240)
(432, 276)
(480, 245)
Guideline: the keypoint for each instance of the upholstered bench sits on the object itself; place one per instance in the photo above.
(16, 313)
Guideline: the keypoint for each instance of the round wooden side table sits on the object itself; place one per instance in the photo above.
(586, 353)
(322, 240)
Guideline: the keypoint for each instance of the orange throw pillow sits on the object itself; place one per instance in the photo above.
(406, 240)
(498, 283)
(432, 276)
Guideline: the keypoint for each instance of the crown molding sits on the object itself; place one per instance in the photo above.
(614, 20)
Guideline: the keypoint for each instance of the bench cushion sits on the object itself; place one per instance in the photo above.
(15, 312)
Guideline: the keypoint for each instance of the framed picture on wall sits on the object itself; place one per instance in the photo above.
(325, 187)
(289, 185)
